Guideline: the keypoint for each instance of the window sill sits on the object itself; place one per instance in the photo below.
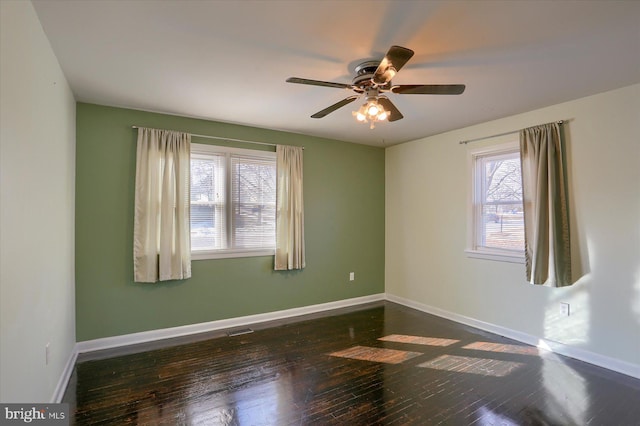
(496, 256)
(226, 254)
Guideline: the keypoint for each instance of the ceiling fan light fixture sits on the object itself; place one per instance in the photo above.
(371, 112)
(372, 109)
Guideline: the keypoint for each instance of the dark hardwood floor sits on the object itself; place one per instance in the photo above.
(380, 364)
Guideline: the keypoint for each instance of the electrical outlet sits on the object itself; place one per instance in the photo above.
(352, 276)
(564, 309)
(47, 352)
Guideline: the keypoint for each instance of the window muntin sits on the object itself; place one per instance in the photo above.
(497, 213)
(232, 202)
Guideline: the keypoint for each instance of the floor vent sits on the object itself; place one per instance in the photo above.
(239, 332)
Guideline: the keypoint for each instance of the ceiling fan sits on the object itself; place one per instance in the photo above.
(372, 80)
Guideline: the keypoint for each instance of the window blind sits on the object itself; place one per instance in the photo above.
(208, 224)
(253, 202)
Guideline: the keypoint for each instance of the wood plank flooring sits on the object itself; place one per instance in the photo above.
(380, 364)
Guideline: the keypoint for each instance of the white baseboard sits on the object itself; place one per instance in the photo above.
(613, 364)
(61, 387)
(185, 330)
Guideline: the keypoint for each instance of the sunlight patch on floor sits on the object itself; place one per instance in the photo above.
(502, 348)
(387, 356)
(567, 394)
(418, 340)
(486, 417)
(467, 364)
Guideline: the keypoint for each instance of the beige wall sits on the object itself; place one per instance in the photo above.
(427, 184)
(37, 154)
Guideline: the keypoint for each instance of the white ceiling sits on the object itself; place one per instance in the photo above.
(228, 60)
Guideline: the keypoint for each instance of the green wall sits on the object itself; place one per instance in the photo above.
(344, 218)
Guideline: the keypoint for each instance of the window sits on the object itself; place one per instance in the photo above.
(233, 202)
(496, 228)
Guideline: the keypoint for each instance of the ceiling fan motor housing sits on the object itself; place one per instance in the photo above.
(364, 77)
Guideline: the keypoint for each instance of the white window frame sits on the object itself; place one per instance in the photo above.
(474, 213)
(204, 149)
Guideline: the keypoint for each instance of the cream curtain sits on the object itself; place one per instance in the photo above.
(289, 209)
(546, 218)
(161, 236)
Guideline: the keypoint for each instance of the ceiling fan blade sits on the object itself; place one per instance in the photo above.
(394, 114)
(335, 106)
(429, 89)
(395, 59)
(319, 83)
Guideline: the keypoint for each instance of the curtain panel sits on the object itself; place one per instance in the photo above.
(289, 209)
(161, 238)
(546, 217)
